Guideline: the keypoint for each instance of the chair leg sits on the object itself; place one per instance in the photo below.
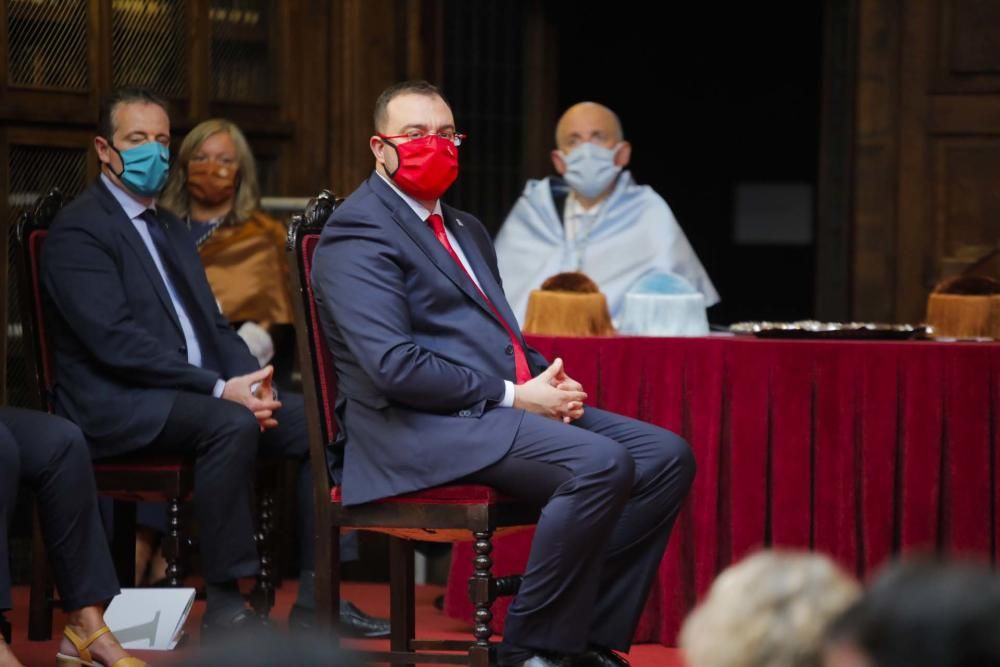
(123, 543)
(265, 578)
(328, 581)
(40, 604)
(482, 598)
(402, 595)
(172, 543)
(274, 534)
(283, 521)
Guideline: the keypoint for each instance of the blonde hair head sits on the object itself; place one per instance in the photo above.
(247, 198)
(769, 610)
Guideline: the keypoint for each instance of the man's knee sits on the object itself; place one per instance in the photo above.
(237, 427)
(610, 462)
(676, 454)
(66, 443)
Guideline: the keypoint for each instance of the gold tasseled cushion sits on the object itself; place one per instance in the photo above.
(966, 307)
(568, 304)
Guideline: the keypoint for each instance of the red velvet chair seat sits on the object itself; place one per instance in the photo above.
(458, 494)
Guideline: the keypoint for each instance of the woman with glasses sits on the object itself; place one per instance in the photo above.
(213, 186)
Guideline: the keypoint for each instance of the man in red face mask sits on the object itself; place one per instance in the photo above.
(436, 384)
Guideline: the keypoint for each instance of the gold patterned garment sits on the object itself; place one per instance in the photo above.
(246, 266)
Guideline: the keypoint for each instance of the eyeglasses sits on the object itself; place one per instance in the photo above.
(413, 135)
(221, 160)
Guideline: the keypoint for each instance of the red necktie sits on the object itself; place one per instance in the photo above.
(522, 370)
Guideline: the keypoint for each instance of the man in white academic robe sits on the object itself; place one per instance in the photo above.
(595, 219)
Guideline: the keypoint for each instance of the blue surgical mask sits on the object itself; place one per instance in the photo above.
(590, 168)
(144, 167)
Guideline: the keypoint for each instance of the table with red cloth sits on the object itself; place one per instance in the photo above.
(858, 449)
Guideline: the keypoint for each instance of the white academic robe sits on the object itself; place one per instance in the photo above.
(635, 233)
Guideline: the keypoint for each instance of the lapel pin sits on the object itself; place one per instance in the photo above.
(459, 222)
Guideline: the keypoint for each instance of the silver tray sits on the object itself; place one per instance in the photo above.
(830, 330)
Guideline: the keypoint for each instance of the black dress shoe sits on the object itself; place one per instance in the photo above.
(246, 620)
(353, 622)
(599, 657)
(356, 623)
(4, 629)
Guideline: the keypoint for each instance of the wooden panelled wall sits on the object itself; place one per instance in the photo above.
(309, 126)
(926, 153)
(339, 55)
(305, 105)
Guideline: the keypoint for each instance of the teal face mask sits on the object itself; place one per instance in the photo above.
(144, 167)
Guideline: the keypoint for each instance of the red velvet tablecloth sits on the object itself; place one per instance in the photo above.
(857, 449)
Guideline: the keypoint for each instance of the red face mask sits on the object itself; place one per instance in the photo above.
(427, 166)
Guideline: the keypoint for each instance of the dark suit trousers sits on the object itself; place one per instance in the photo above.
(610, 488)
(50, 455)
(226, 441)
(289, 440)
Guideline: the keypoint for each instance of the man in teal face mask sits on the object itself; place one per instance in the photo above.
(594, 219)
(147, 364)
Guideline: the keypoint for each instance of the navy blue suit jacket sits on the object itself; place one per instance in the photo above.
(120, 354)
(420, 356)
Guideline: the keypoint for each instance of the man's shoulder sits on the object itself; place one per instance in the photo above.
(640, 200)
(358, 201)
(540, 203)
(540, 188)
(654, 204)
(85, 210)
(361, 215)
(361, 205)
(629, 187)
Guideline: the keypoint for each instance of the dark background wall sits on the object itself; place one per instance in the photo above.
(709, 96)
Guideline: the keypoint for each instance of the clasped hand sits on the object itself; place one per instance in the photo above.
(552, 394)
(260, 401)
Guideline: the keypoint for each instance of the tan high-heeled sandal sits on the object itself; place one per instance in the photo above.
(83, 648)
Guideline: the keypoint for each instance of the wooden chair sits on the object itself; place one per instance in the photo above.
(446, 514)
(127, 479)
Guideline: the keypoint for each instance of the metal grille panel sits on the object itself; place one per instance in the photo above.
(484, 82)
(149, 45)
(47, 44)
(34, 170)
(242, 52)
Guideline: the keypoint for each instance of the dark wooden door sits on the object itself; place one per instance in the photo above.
(927, 154)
